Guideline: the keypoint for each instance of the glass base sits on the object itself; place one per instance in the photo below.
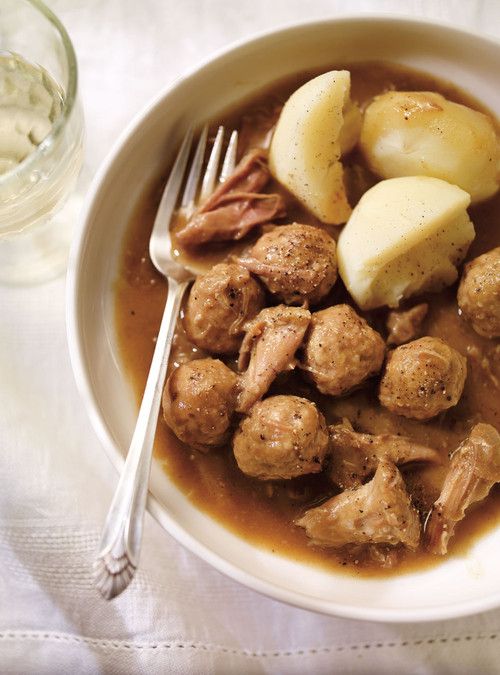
(39, 252)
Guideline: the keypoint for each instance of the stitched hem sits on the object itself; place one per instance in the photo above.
(115, 645)
(34, 534)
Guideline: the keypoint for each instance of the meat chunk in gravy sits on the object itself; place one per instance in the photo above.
(235, 207)
(379, 512)
(282, 437)
(355, 456)
(297, 263)
(341, 350)
(268, 349)
(423, 378)
(198, 403)
(404, 326)
(220, 303)
(474, 469)
(479, 294)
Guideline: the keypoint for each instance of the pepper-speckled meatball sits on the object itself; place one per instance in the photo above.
(199, 399)
(423, 378)
(282, 437)
(341, 350)
(479, 293)
(296, 262)
(219, 304)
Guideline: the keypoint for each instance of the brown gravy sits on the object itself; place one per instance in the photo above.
(261, 512)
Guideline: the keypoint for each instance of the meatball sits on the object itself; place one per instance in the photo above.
(219, 304)
(479, 293)
(296, 262)
(423, 378)
(198, 401)
(341, 350)
(283, 437)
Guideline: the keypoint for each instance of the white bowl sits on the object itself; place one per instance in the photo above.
(457, 586)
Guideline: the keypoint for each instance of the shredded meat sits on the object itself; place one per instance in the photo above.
(282, 437)
(379, 512)
(404, 326)
(355, 456)
(268, 348)
(488, 361)
(257, 128)
(236, 206)
(474, 469)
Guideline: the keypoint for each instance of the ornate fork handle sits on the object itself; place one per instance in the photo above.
(120, 545)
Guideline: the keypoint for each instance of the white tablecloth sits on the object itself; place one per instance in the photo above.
(179, 615)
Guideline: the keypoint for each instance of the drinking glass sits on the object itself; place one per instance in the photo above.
(41, 142)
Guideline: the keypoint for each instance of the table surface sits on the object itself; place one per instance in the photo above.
(179, 615)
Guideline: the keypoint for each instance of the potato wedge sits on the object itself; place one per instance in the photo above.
(423, 134)
(351, 127)
(405, 236)
(306, 146)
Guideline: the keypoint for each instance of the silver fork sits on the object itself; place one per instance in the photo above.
(120, 545)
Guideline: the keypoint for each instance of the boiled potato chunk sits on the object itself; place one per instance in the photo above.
(423, 134)
(305, 149)
(405, 236)
(351, 127)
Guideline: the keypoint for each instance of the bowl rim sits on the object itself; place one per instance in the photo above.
(82, 379)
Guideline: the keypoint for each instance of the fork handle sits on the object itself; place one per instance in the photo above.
(120, 545)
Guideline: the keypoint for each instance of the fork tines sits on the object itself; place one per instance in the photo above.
(211, 171)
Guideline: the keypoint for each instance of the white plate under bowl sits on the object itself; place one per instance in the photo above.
(457, 586)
